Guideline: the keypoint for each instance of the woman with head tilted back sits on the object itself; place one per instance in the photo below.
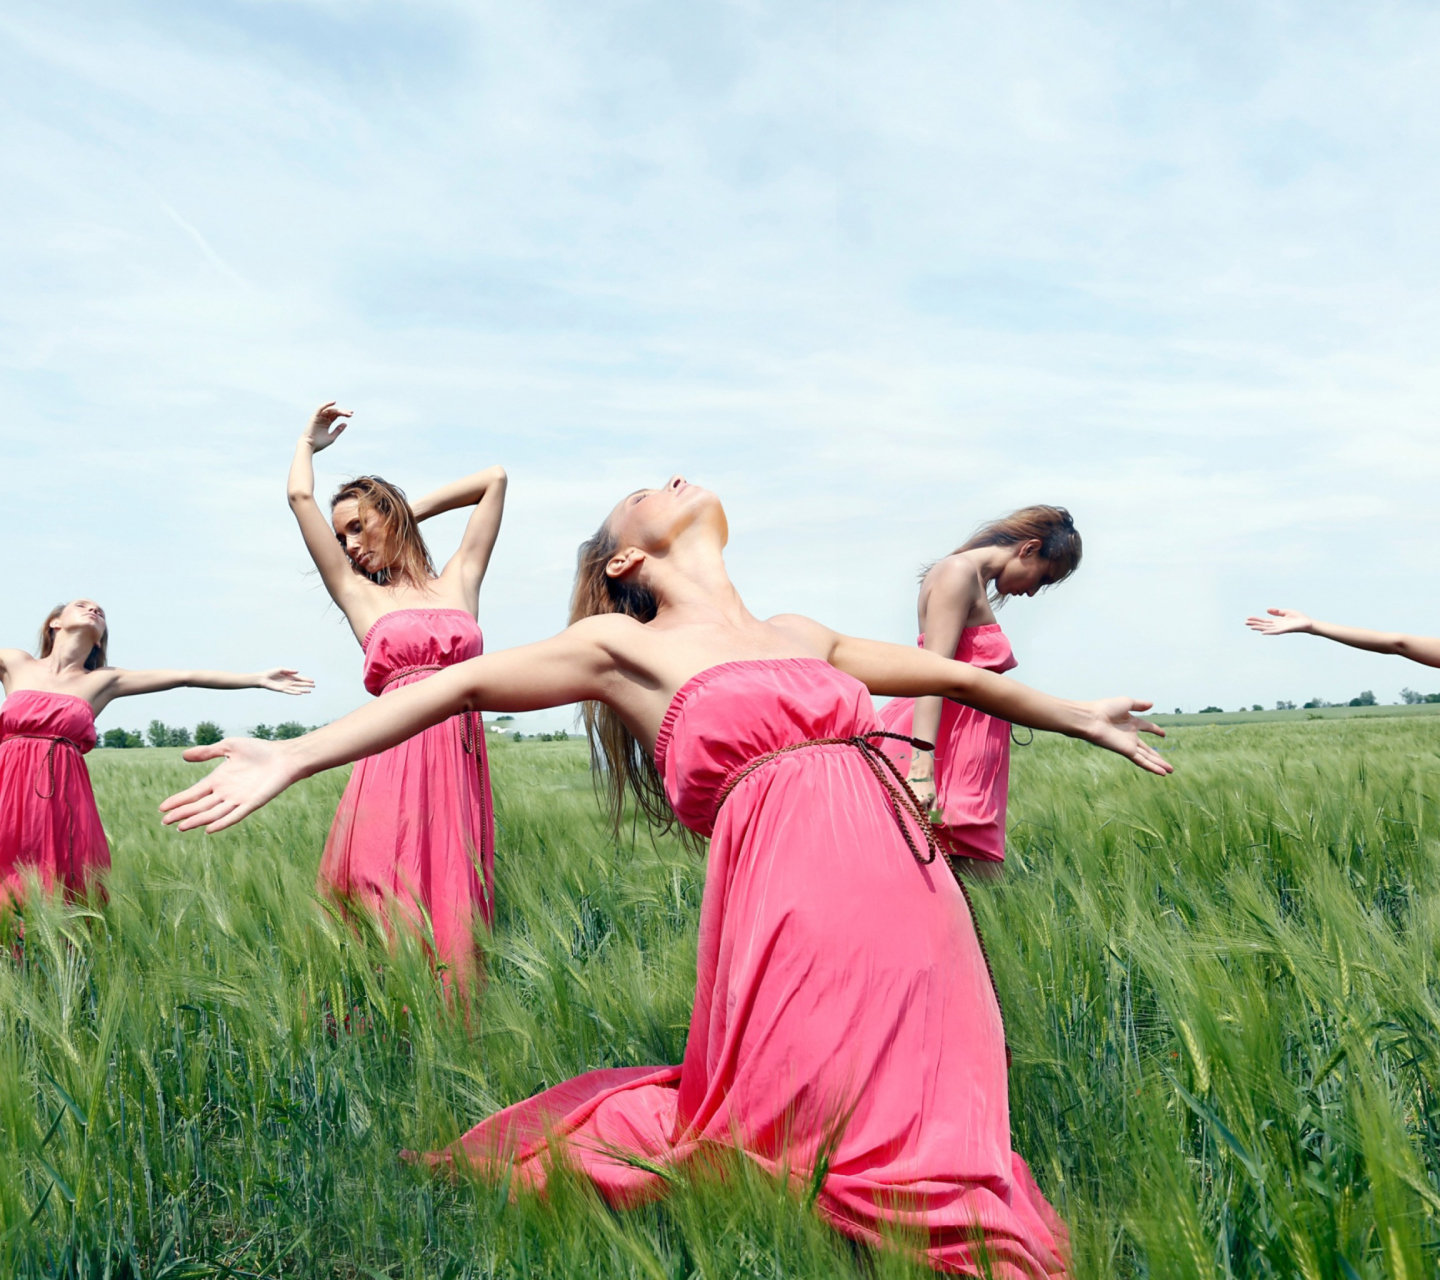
(49, 825)
(414, 829)
(843, 1008)
(966, 776)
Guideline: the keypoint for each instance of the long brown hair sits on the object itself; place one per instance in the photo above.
(407, 558)
(96, 659)
(1052, 527)
(615, 755)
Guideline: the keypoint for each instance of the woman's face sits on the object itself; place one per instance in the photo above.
(653, 519)
(362, 534)
(1025, 573)
(82, 615)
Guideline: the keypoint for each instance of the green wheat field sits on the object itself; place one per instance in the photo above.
(1220, 988)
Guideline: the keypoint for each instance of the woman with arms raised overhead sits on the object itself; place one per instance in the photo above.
(49, 825)
(844, 1015)
(966, 776)
(414, 829)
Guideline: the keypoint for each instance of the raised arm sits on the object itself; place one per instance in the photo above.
(126, 684)
(571, 667)
(954, 591)
(898, 671)
(485, 491)
(1279, 622)
(340, 578)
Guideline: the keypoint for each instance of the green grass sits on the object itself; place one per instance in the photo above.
(1220, 990)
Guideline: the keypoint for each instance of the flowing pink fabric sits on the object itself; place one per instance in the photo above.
(842, 1003)
(972, 753)
(415, 829)
(48, 820)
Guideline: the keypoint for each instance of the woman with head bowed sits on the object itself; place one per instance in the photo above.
(964, 771)
(845, 1031)
(414, 835)
(49, 825)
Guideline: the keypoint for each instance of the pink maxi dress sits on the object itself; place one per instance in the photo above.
(842, 999)
(415, 829)
(49, 824)
(972, 754)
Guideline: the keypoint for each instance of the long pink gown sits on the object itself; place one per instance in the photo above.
(49, 824)
(972, 754)
(841, 993)
(415, 830)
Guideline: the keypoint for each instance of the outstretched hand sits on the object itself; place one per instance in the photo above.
(1117, 729)
(1280, 622)
(285, 680)
(324, 429)
(251, 774)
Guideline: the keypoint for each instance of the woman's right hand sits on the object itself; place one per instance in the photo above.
(251, 774)
(1115, 727)
(324, 430)
(1280, 622)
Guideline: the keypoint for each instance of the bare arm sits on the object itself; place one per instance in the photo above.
(340, 578)
(899, 671)
(1422, 649)
(571, 667)
(10, 660)
(485, 491)
(953, 594)
(126, 684)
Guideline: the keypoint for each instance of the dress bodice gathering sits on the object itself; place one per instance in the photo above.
(408, 642)
(987, 647)
(33, 713)
(701, 748)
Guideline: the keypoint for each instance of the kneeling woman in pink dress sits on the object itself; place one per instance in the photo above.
(414, 834)
(49, 825)
(966, 777)
(844, 1015)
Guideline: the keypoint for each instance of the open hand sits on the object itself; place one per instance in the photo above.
(1117, 729)
(324, 429)
(285, 680)
(1280, 622)
(252, 773)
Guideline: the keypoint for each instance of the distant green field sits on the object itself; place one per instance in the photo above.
(1222, 990)
(1296, 716)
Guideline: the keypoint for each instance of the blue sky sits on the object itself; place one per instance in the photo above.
(872, 272)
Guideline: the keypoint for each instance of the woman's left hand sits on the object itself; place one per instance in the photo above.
(251, 774)
(1116, 728)
(284, 680)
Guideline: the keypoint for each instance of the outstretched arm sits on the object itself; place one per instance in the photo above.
(125, 684)
(571, 667)
(485, 491)
(898, 671)
(336, 572)
(1279, 622)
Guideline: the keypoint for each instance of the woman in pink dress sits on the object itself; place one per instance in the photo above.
(414, 835)
(49, 825)
(966, 776)
(845, 1032)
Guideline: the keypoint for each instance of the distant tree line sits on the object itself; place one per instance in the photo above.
(281, 732)
(160, 734)
(1363, 699)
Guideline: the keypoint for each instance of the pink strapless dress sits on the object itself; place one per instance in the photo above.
(842, 1001)
(972, 754)
(49, 824)
(415, 829)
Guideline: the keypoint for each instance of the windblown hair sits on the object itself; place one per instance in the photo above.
(615, 756)
(96, 659)
(1052, 527)
(407, 558)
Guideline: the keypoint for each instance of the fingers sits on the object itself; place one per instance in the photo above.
(188, 796)
(1145, 726)
(181, 810)
(1279, 613)
(211, 752)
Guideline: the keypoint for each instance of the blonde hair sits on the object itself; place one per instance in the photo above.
(1052, 527)
(615, 754)
(96, 658)
(406, 555)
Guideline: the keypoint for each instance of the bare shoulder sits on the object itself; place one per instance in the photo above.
(806, 631)
(11, 660)
(614, 633)
(954, 575)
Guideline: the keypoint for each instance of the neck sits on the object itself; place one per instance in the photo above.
(693, 584)
(989, 561)
(70, 651)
